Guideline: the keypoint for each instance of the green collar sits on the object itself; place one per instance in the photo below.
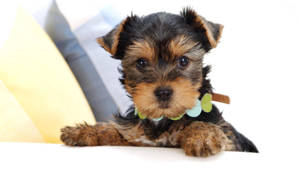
(201, 105)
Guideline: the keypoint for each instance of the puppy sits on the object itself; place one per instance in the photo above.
(162, 71)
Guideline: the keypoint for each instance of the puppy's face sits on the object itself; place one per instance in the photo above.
(162, 59)
(163, 77)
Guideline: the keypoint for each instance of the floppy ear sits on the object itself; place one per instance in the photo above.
(110, 41)
(211, 30)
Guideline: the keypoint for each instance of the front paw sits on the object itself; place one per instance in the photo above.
(81, 135)
(203, 139)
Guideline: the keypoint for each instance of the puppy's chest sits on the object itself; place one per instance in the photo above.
(137, 136)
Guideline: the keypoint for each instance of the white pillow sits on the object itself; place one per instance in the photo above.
(106, 66)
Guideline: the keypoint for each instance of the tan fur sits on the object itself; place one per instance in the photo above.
(184, 97)
(127, 87)
(116, 37)
(179, 46)
(132, 134)
(101, 42)
(141, 49)
(87, 135)
(203, 139)
(197, 139)
(220, 33)
(208, 33)
(113, 49)
(203, 23)
(227, 129)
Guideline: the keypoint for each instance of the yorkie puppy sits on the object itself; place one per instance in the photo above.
(163, 73)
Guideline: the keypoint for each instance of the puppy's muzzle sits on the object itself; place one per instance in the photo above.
(163, 93)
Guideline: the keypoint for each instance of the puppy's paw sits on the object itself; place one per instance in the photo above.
(203, 147)
(203, 139)
(81, 135)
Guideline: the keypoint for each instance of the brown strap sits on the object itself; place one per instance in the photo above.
(220, 98)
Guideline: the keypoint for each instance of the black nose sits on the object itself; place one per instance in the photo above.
(163, 93)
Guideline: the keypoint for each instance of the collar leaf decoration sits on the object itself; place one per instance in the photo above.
(177, 118)
(205, 105)
(139, 114)
(206, 102)
(196, 110)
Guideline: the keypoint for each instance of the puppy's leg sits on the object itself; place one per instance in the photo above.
(237, 141)
(203, 139)
(92, 135)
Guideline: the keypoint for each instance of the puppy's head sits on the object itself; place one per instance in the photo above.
(162, 58)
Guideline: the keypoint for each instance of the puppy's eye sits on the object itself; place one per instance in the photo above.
(141, 63)
(183, 61)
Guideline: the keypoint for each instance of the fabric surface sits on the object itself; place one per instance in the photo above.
(53, 156)
(102, 104)
(15, 124)
(36, 74)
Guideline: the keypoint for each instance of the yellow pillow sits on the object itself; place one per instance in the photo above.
(36, 74)
(15, 124)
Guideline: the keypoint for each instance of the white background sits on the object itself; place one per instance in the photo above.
(256, 63)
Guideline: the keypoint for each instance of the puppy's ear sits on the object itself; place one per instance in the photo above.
(110, 41)
(211, 30)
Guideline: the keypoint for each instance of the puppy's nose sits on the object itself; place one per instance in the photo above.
(163, 93)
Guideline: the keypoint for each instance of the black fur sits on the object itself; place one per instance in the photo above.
(190, 18)
(153, 130)
(161, 27)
